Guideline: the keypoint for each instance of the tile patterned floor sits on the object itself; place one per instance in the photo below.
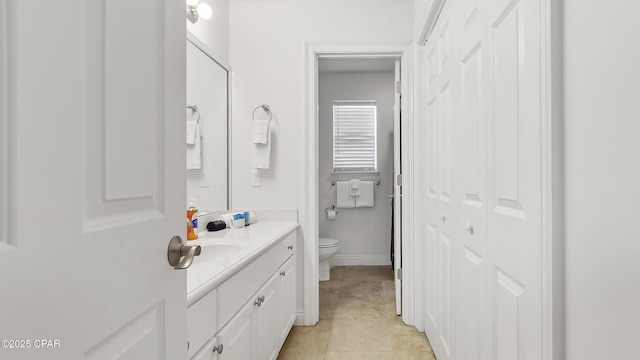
(357, 321)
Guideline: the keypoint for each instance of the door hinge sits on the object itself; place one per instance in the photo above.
(399, 274)
(399, 87)
(399, 180)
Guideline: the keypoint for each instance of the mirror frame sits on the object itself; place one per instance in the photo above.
(207, 51)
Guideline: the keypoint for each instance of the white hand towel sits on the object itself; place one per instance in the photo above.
(262, 152)
(343, 199)
(194, 151)
(192, 130)
(366, 198)
(260, 131)
(354, 187)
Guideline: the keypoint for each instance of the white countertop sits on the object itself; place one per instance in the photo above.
(205, 275)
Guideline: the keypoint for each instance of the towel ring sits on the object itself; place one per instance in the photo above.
(194, 108)
(265, 108)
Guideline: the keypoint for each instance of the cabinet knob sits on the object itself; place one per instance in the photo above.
(257, 302)
(218, 349)
(469, 228)
(290, 247)
(262, 299)
(283, 273)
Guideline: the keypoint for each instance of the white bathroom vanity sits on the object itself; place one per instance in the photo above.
(241, 292)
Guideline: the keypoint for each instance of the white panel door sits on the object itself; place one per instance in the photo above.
(515, 179)
(484, 178)
(439, 286)
(93, 180)
(472, 325)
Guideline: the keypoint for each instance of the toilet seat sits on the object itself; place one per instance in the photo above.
(324, 243)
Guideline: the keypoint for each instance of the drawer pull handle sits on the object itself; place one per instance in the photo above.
(283, 273)
(290, 247)
(218, 349)
(259, 301)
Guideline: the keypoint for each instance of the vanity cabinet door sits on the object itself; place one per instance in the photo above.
(208, 352)
(236, 337)
(287, 298)
(201, 322)
(266, 319)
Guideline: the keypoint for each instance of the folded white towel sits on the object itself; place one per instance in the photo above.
(192, 130)
(194, 151)
(366, 198)
(354, 187)
(343, 199)
(262, 151)
(260, 131)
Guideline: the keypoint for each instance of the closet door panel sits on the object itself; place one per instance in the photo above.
(432, 220)
(447, 326)
(441, 269)
(432, 312)
(471, 207)
(514, 179)
(469, 326)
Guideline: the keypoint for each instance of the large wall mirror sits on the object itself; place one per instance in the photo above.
(208, 114)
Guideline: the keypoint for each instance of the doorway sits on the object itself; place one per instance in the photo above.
(344, 58)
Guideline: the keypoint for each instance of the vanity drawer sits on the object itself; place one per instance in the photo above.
(287, 247)
(201, 322)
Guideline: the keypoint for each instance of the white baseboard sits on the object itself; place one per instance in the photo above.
(299, 318)
(360, 260)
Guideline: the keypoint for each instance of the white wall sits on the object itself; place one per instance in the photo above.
(364, 233)
(602, 144)
(267, 54)
(214, 32)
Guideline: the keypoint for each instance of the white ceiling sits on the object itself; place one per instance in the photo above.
(356, 65)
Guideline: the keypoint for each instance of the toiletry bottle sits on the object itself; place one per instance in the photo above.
(192, 227)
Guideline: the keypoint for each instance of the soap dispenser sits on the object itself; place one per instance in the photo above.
(192, 221)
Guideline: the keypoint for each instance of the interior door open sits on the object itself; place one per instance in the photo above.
(92, 179)
(397, 191)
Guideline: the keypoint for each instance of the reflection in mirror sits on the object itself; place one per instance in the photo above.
(208, 80)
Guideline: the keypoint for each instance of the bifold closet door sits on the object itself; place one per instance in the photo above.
(439, 277)
(470, 142)
(515, 179)
(483, 260)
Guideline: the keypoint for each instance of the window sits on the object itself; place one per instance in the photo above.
(354, 136)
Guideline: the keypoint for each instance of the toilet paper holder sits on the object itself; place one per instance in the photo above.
(332, 207)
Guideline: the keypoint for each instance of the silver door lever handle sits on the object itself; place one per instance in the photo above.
(180, 255)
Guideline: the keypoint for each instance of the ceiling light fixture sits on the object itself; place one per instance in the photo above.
(196, 11)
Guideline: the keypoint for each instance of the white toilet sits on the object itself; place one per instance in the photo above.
(326, 249)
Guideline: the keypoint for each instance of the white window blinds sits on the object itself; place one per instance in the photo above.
(354, 136)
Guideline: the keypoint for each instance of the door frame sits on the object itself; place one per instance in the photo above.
(310, 221)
